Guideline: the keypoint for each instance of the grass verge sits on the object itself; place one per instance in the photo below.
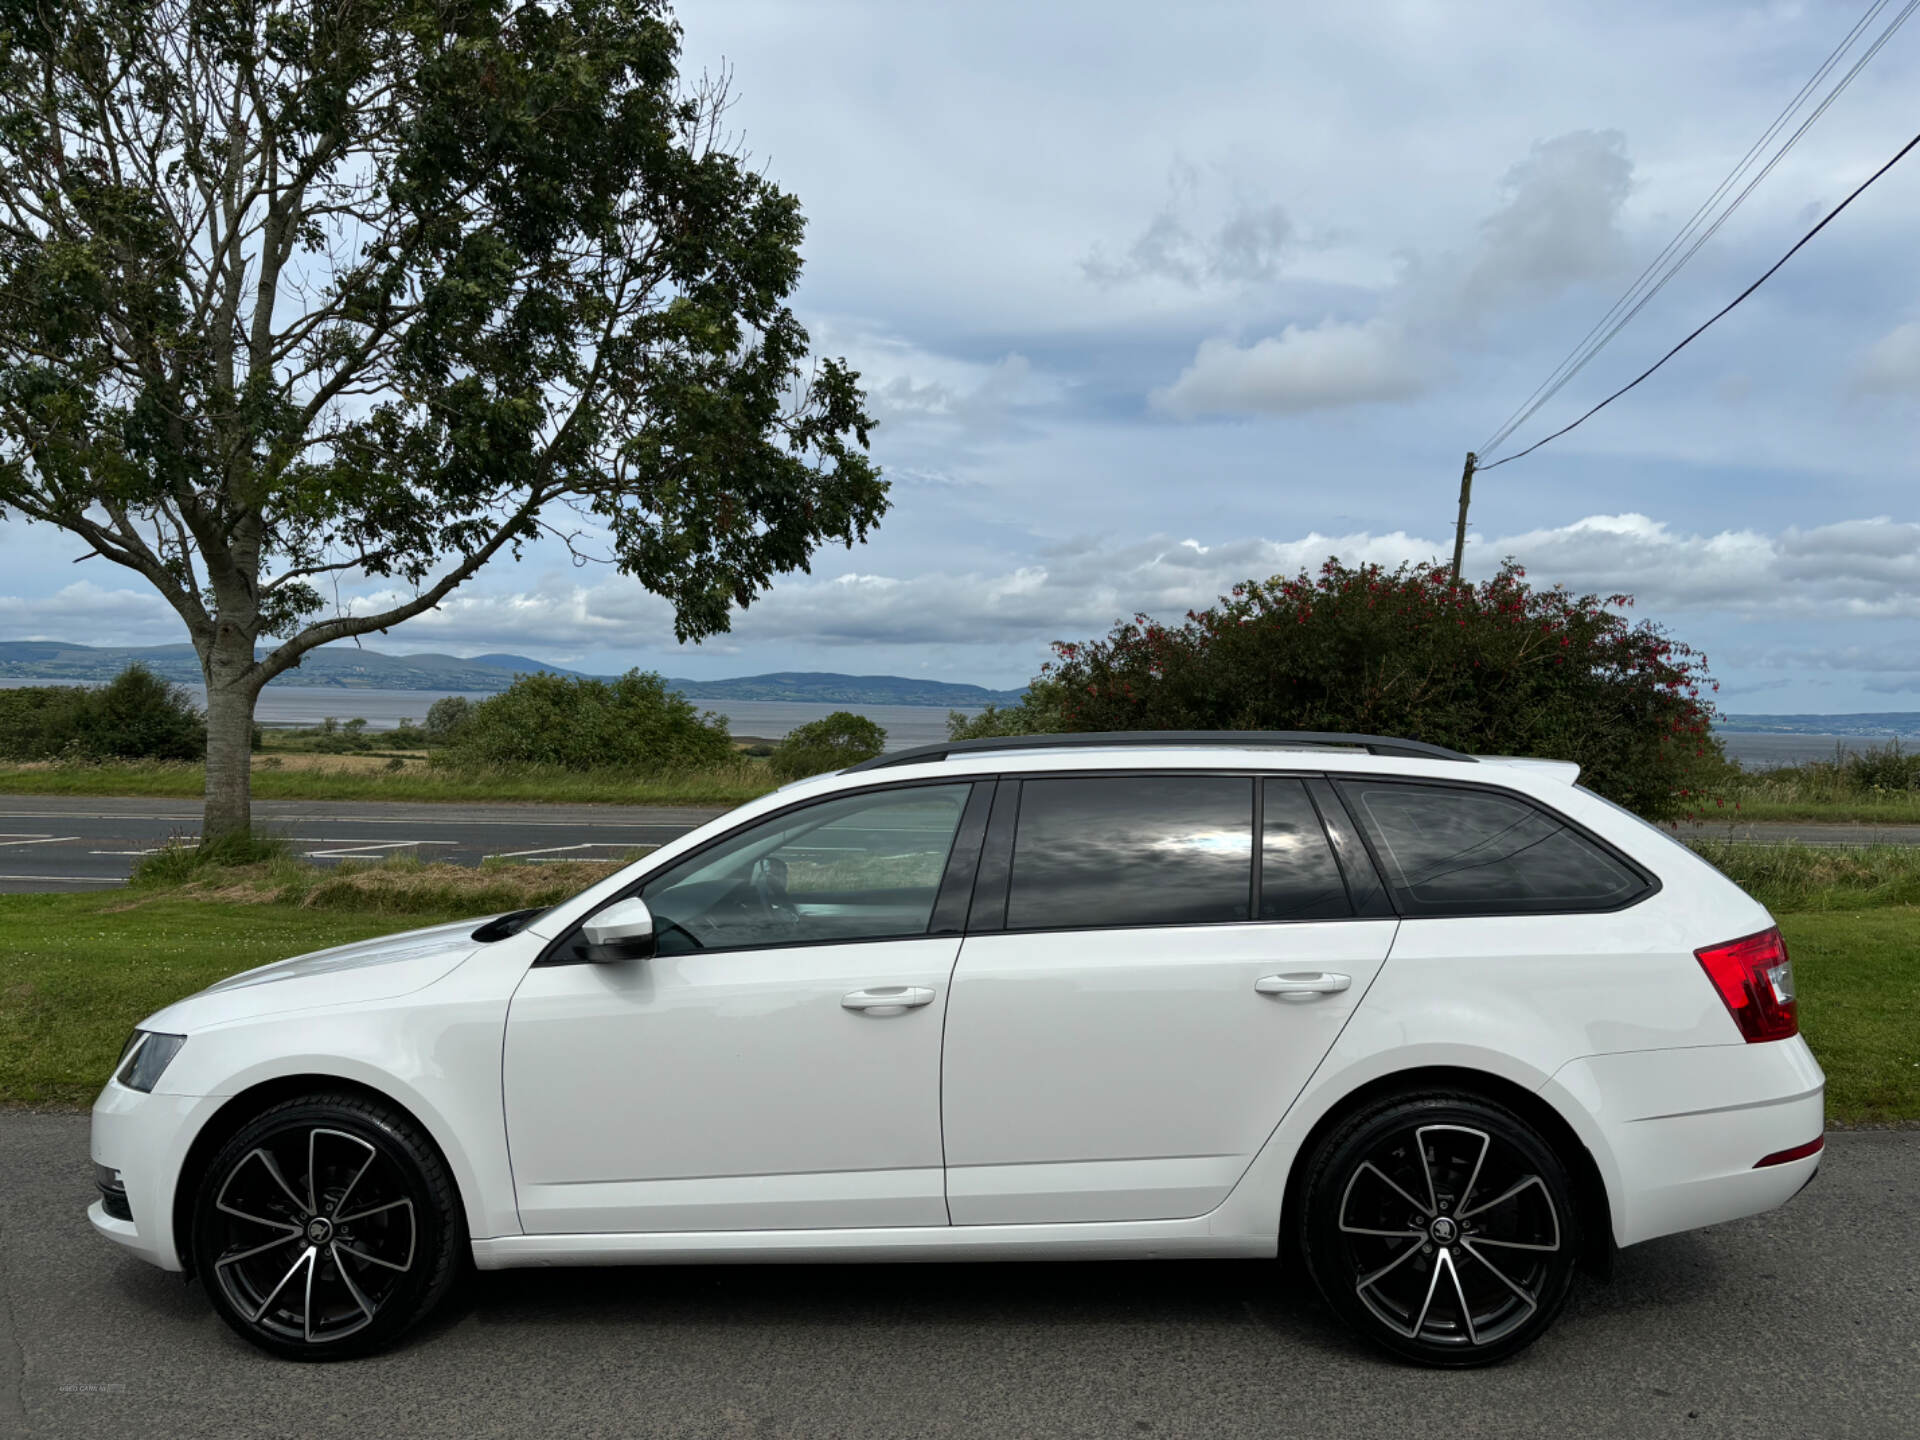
(1858, 975)
(728, 785)
(402, 885)
(78, 971)
(1840, 810)
(1815, 877)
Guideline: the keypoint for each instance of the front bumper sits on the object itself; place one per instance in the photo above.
(145, 1138)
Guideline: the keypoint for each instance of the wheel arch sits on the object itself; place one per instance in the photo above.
(240, 1108)
(1590, 1187)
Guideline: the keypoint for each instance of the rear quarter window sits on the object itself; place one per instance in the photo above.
(1451, 850)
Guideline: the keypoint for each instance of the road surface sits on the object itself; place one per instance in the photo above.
(1797, 1323)
(58, 842)
(87, 843)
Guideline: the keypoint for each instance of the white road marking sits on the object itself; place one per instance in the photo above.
(36, 839)
(341, 849)
(558, 851)
(72, 879)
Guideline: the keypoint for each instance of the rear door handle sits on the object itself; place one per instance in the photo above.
(1303, 983)
(888, 999)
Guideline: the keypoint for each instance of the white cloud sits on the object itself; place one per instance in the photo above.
(1791, 586)
(91, 614)
(1858, 569)
(1559, 224)
(1333, 363)
(1891, 365)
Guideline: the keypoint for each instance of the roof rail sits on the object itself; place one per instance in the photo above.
(1124, 739)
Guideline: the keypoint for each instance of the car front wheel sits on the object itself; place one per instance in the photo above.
(1441, 1227)
(325, 1227)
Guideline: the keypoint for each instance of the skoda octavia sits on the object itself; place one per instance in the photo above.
(1439, 1029)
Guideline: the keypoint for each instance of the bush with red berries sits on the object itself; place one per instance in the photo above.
(1499, 668)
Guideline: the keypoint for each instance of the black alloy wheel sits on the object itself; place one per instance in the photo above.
(325, 1227)
(1442, 1228)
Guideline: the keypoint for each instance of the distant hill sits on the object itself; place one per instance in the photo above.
(347, 667)
(818, 688)
(340, 667)
(1877, 725)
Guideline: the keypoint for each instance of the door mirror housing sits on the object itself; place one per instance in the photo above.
(622, 931)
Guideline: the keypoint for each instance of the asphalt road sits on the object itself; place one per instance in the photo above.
(88, 843)
(1798, 1323)
(50, 842)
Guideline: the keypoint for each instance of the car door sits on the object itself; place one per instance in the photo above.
(1143, 991)
(775, 1064)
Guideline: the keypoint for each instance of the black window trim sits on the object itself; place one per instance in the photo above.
(992, 863)
(1352, 860)
(1650, 882)
(557, 949)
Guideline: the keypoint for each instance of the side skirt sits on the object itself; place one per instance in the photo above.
(1117, 1240)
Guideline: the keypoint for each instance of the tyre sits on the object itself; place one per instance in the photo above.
(1441, 1227)
(326, 1227)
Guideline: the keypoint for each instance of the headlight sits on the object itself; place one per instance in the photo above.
(146, 1057)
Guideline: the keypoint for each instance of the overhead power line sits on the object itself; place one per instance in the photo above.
(1831, 215)
(1699, 230)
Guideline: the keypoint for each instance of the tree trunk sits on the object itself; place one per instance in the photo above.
(231, 691)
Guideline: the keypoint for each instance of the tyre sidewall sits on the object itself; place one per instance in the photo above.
(441, 1229)
(1324, 1248)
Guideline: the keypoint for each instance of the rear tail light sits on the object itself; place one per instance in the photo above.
(1755, 978)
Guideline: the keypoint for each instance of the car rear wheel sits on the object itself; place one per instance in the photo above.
(1441, 1227)
(327, 1226)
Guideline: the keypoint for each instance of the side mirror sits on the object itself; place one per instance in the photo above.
(622, 931)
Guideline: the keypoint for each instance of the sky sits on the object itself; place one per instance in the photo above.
(1152, 299)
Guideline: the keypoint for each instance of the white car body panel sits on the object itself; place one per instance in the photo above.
(743, 1095)
(1606, 1018)
(1132, 1074)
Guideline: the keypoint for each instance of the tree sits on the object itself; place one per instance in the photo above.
(1500, 668)
(291, 293)
(446, 718)
(833, 742)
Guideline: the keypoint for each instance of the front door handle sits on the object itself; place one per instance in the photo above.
(1316, 983)
(887, 999)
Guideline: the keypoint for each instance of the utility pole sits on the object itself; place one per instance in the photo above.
(1460, 526)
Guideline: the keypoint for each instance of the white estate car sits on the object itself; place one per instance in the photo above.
(1440, 1027)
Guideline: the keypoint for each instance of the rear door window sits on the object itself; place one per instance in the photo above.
(1449, 850)
(1131, 850)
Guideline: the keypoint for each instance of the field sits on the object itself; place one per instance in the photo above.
(77, 971)
(345, 763)
(297, 776)
(1877, 785)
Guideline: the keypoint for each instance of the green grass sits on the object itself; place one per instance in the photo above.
(416, 783)
(1858, 976)
(1898, 808)
(77, 971)
(1790, 877)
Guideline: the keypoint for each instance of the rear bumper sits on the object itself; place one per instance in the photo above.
(1684, 1131)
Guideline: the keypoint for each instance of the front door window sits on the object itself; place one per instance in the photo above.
(866, 867)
